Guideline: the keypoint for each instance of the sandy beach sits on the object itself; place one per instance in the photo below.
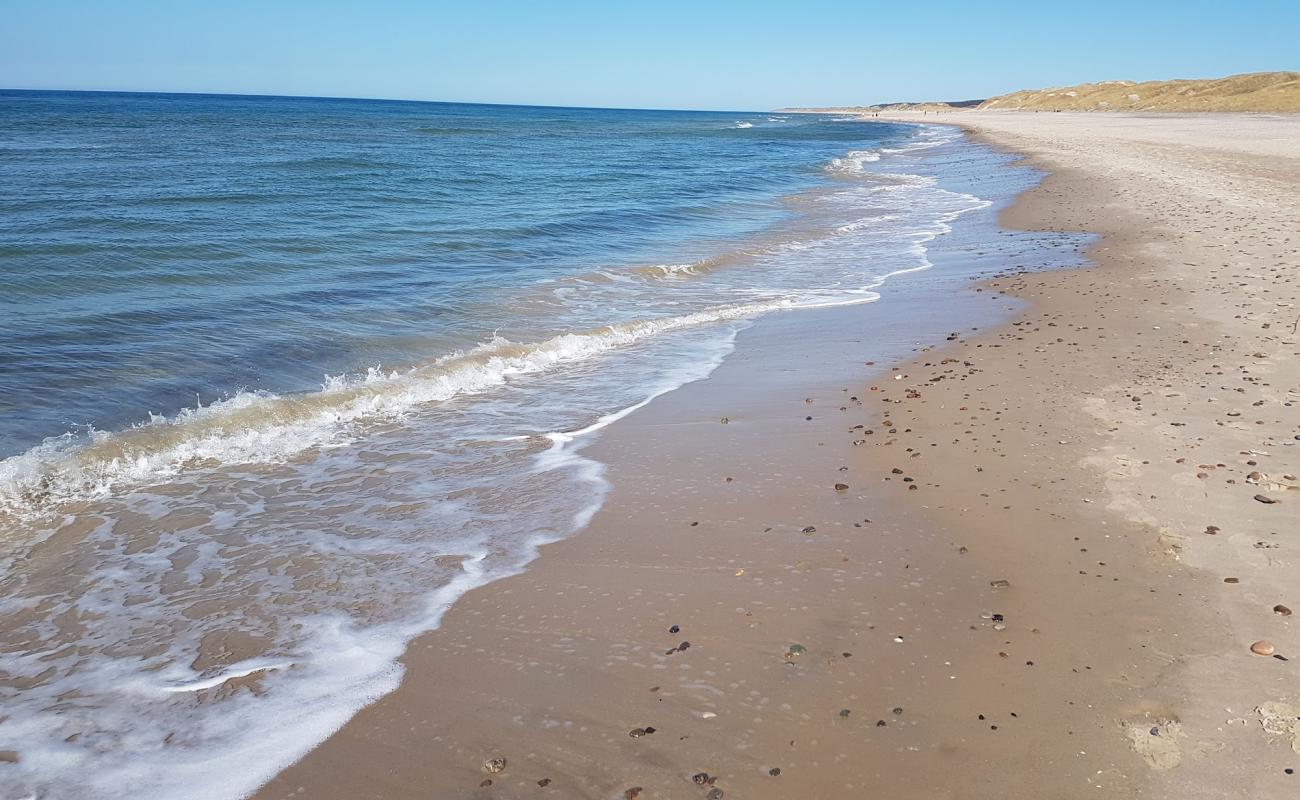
(1028, 561)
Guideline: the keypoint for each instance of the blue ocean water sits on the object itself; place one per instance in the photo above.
(160, 251)
(281, 378)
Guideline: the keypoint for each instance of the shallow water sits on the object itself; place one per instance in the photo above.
(285, 377)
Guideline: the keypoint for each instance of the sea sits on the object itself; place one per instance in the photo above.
(282, 378)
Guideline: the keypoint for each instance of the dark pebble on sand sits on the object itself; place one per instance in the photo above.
(632, 793)
(1281, 609)
(844, 713)
(714, 794)
(544, 782)
(700, 778)
(880, 723)
(675, 629)
(1266, 500)
(774, 771)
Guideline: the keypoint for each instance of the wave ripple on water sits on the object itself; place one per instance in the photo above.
(259, 561)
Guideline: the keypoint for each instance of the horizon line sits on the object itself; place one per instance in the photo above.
(258, 95)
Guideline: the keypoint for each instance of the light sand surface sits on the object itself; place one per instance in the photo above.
(1061, 471)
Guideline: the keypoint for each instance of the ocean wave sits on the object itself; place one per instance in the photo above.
(262, 427)
(853, 163)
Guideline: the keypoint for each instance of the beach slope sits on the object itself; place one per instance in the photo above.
(1029, 562)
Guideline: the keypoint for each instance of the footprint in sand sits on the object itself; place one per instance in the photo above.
(1281, 720)
(1156, 742)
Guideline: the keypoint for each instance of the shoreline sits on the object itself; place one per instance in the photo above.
(555, 686)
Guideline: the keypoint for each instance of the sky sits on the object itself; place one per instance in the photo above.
(751, 55)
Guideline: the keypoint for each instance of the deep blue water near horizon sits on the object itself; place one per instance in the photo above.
(282, 378)
(163, 251)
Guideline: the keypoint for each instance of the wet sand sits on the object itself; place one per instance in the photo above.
(1041, 578)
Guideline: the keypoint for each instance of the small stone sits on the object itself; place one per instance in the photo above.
(844, 713)
(774, 771)
(714, 794)
(1281, 609)
(636, 733)
(675, 629)
(1262, 648)
(795, 651)
(1266, 500)
(632, 793)
(494, 765)
(700, 778)
(544, 782)
(1001, 583)
(1232, 580)
(808, 531)
(1212, 529)
(841, 487)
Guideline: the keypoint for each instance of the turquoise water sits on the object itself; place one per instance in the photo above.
(280, 379)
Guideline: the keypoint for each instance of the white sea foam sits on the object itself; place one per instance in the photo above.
(263, 427)
(460, 459)
(854, 162)
(743, 125)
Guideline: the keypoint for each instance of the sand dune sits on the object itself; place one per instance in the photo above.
(1255, 91)
(1258, 91)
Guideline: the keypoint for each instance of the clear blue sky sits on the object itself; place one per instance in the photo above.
(643, 53)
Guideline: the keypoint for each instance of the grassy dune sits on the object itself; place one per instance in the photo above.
(1255, 91)
(1258, 91)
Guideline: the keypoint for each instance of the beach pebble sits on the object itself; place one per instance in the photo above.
(1001, 583)
(1262, 648)
(808, 530)
(700, 778)
(494, 765)
(632, 793)
(774, 771)
(796, 650)
(714, 794)
(1281, 609)
(1266, 500)
(841, 487)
